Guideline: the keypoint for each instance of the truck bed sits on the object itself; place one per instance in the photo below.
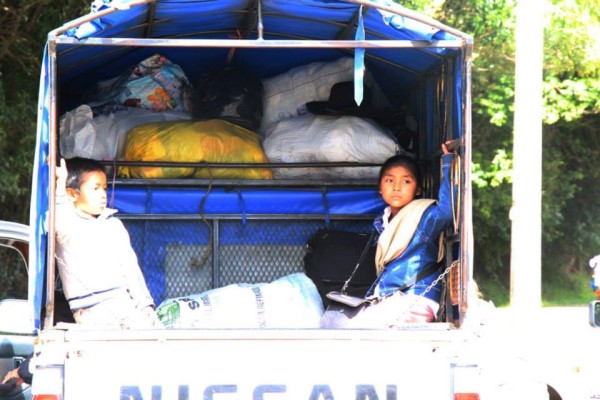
(256, 364)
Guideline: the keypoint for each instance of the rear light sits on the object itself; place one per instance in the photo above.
(466, 396)
(47, 383)
(466, 380)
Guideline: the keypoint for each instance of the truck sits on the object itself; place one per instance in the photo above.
(202, 223)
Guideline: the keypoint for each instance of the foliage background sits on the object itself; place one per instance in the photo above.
(571, 213)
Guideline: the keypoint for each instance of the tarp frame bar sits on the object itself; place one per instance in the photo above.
(238, 217)
(392, 8)
(244, 43)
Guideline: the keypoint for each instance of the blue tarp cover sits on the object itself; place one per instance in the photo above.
(79, 66)
(248, 201)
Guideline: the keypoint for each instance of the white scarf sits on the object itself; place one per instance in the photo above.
(399, 231)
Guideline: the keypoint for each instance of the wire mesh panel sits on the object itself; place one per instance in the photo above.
(170, 253)
(261, 251)
(183, 257)
(188, 269)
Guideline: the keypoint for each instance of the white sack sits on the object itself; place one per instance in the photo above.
(103, 137)
(286, 94)
(288, 302)
(320, 138)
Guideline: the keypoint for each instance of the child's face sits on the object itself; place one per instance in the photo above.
(398, 187)
(91, 196)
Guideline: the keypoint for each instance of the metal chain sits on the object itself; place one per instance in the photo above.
(427, 289)
(439, 278)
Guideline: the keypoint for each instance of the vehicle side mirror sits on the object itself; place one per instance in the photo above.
(595, 314)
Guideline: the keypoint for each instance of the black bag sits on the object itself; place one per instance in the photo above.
(230, 94)
(332, 256)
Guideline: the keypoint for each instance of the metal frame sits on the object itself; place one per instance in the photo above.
(465, 43)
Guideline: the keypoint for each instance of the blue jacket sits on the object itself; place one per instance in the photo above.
(422, 250)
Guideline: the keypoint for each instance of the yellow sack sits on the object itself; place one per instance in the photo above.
(194, 141)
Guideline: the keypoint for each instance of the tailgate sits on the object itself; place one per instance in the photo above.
(258, 364)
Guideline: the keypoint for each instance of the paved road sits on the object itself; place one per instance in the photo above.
(560, 342)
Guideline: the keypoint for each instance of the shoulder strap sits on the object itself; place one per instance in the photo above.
(430, 270)
(360, 260)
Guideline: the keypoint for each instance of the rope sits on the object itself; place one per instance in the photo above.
(455, 173)
(112, 186)
(206, 253)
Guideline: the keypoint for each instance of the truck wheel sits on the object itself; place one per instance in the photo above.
(553, 394)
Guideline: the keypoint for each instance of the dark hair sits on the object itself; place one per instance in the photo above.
(77, 167)
(402, 161)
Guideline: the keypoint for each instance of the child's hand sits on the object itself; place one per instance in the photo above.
(61, 170)
(150, 313)
(451, 146)
(61, 177)
(445, 147)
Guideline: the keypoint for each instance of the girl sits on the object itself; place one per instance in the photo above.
(408, 249)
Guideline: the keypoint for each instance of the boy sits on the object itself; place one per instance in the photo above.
(101, 278)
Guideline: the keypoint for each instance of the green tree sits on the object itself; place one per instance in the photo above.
(571, 109)
(25, 24)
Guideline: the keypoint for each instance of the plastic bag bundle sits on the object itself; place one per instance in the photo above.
(328, 139)
(155, 84)
(102, 137)
(286, 94)
(288, 302)
(208, 141)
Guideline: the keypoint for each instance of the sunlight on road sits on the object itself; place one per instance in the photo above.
(560, 343)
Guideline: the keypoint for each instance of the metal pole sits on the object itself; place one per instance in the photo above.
(525, 268)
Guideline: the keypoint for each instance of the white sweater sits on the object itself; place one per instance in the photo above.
(95, 258)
